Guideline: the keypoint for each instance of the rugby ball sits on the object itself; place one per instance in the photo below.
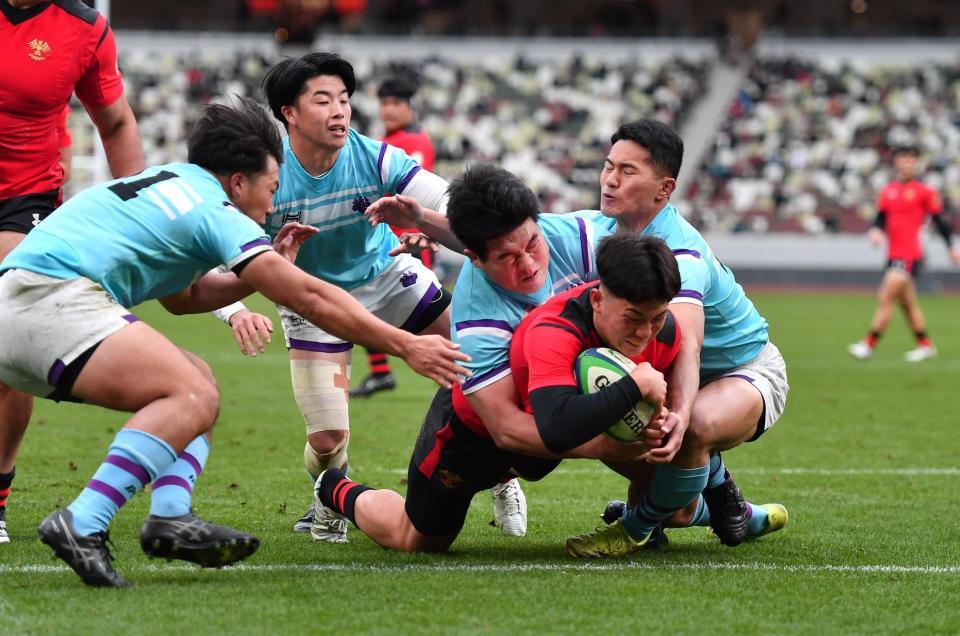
(598, 368)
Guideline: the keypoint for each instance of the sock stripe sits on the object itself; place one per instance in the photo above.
(107, 491)
(341, 497)
(172, 480)
(190, 459)
(130, 466)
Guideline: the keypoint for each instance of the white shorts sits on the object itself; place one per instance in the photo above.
(47, 323)
(768, 374)
(400, 296)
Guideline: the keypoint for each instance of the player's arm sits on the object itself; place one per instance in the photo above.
(944, 229)
(878, 228)
(405, 211)
(121, 138)
(683, 379)
(212, 291)
(338, 313)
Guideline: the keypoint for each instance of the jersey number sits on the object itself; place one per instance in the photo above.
(127, 190)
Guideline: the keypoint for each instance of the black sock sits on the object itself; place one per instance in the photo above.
(339, 493)
(6, 480)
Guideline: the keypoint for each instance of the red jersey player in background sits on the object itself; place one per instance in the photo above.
(902, 210)
(403, 131)
(50, 50)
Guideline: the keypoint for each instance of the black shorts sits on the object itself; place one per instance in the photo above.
(22, 214)
(907, 266)
(451, 463)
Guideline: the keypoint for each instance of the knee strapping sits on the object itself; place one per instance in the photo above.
(316, 462)
(320, 389)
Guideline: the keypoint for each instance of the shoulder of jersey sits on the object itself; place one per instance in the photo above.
(78, 9)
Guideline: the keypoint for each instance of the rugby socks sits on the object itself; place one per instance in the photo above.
(718, 472)
(922, 339)
(378, 363)
(756, 517)
(134, 459)
(338, 493)
(872, 339)
(6, 482)
(173, 488)
(670, 489)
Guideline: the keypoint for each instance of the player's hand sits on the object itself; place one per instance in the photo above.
(414, 243)
(875, 235)
(397, 210)
(652, 384)
(436, 358)
(251, 331)
(290, 238)
(954, 255)
(672, 427)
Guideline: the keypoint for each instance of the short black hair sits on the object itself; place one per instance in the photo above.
(398, 86)
(661, 141)
(288, 78)
(638, 269)
(487, 202)
(906, 149)
(230, 139)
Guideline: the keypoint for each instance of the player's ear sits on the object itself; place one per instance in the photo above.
(288, 112)
(238, 182)
(472, 256)
(596, 298)
(667, 186)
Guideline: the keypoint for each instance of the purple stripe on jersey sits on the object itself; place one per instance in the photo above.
(497, 324)
(407, 179)
(56, 370)
(486, 375)
(322, 347)
(107, 491)
(255, 243)
(173, 480)
(421, 307)
(190, 459)
(583, 245)
(741, 376)
(130, 466)
(383, 152)
(689, 293)
(131, 318)
(686, 253)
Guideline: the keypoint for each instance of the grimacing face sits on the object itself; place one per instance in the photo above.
(625, 326)
(517, 261)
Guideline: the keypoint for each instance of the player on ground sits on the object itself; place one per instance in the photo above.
(50, 50)
(455, 455)
(729, 383)
(330, 175)
(68, 335)
(902, 210)
(404, 132)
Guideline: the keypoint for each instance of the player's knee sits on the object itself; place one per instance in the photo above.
(327, 444)
(702, 430)
(200, 404)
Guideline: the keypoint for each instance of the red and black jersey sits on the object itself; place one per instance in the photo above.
(906, 207)
(416, 143)
(49, 51)
(546, 344)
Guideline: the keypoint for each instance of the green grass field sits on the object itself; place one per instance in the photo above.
(865, 459)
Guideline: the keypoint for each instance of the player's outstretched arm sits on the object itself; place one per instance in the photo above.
(121, 137)
(404, 211)
(337, 312)
(214, 290)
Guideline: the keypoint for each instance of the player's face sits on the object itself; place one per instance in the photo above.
(395, 113)
(625, 326)
(254, 194)
(905, 165)
(321, 114)
(517, 261)
(629, 184)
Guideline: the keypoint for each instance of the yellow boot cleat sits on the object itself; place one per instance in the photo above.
(777, 518)
(605, 541)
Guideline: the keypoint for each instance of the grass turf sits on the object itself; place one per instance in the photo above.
(864, 459)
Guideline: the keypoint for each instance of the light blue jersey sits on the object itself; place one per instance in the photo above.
(142, 237)
(734, 332)
(347, 252)
(484, 315)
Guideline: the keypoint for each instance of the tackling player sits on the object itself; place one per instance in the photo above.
(902, 210)
(456, 455)
(68, 335)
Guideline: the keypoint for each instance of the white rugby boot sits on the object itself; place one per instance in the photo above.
(509, 508)
(860, 350)
(921, 353)
(327, 525)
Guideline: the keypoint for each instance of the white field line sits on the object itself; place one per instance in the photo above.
(361, 568)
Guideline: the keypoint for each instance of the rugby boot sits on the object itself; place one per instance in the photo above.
(728, 512)
(510, 508)
(606, 541)
(190, 538)
(614, 510)
(777, 518)
(303, 523)
(88, 556)
(372, 384)
(328, 525)
(4, 537)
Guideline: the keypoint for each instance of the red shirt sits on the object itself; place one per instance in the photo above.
(416, 143)
(907, 206)
(546, 344)
(49, 52)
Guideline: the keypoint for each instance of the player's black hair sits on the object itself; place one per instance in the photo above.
(487, 202)
(230, 139)
(662, 143)
(638, 269)
(906, 149)
(288, 78)
(397, 86)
